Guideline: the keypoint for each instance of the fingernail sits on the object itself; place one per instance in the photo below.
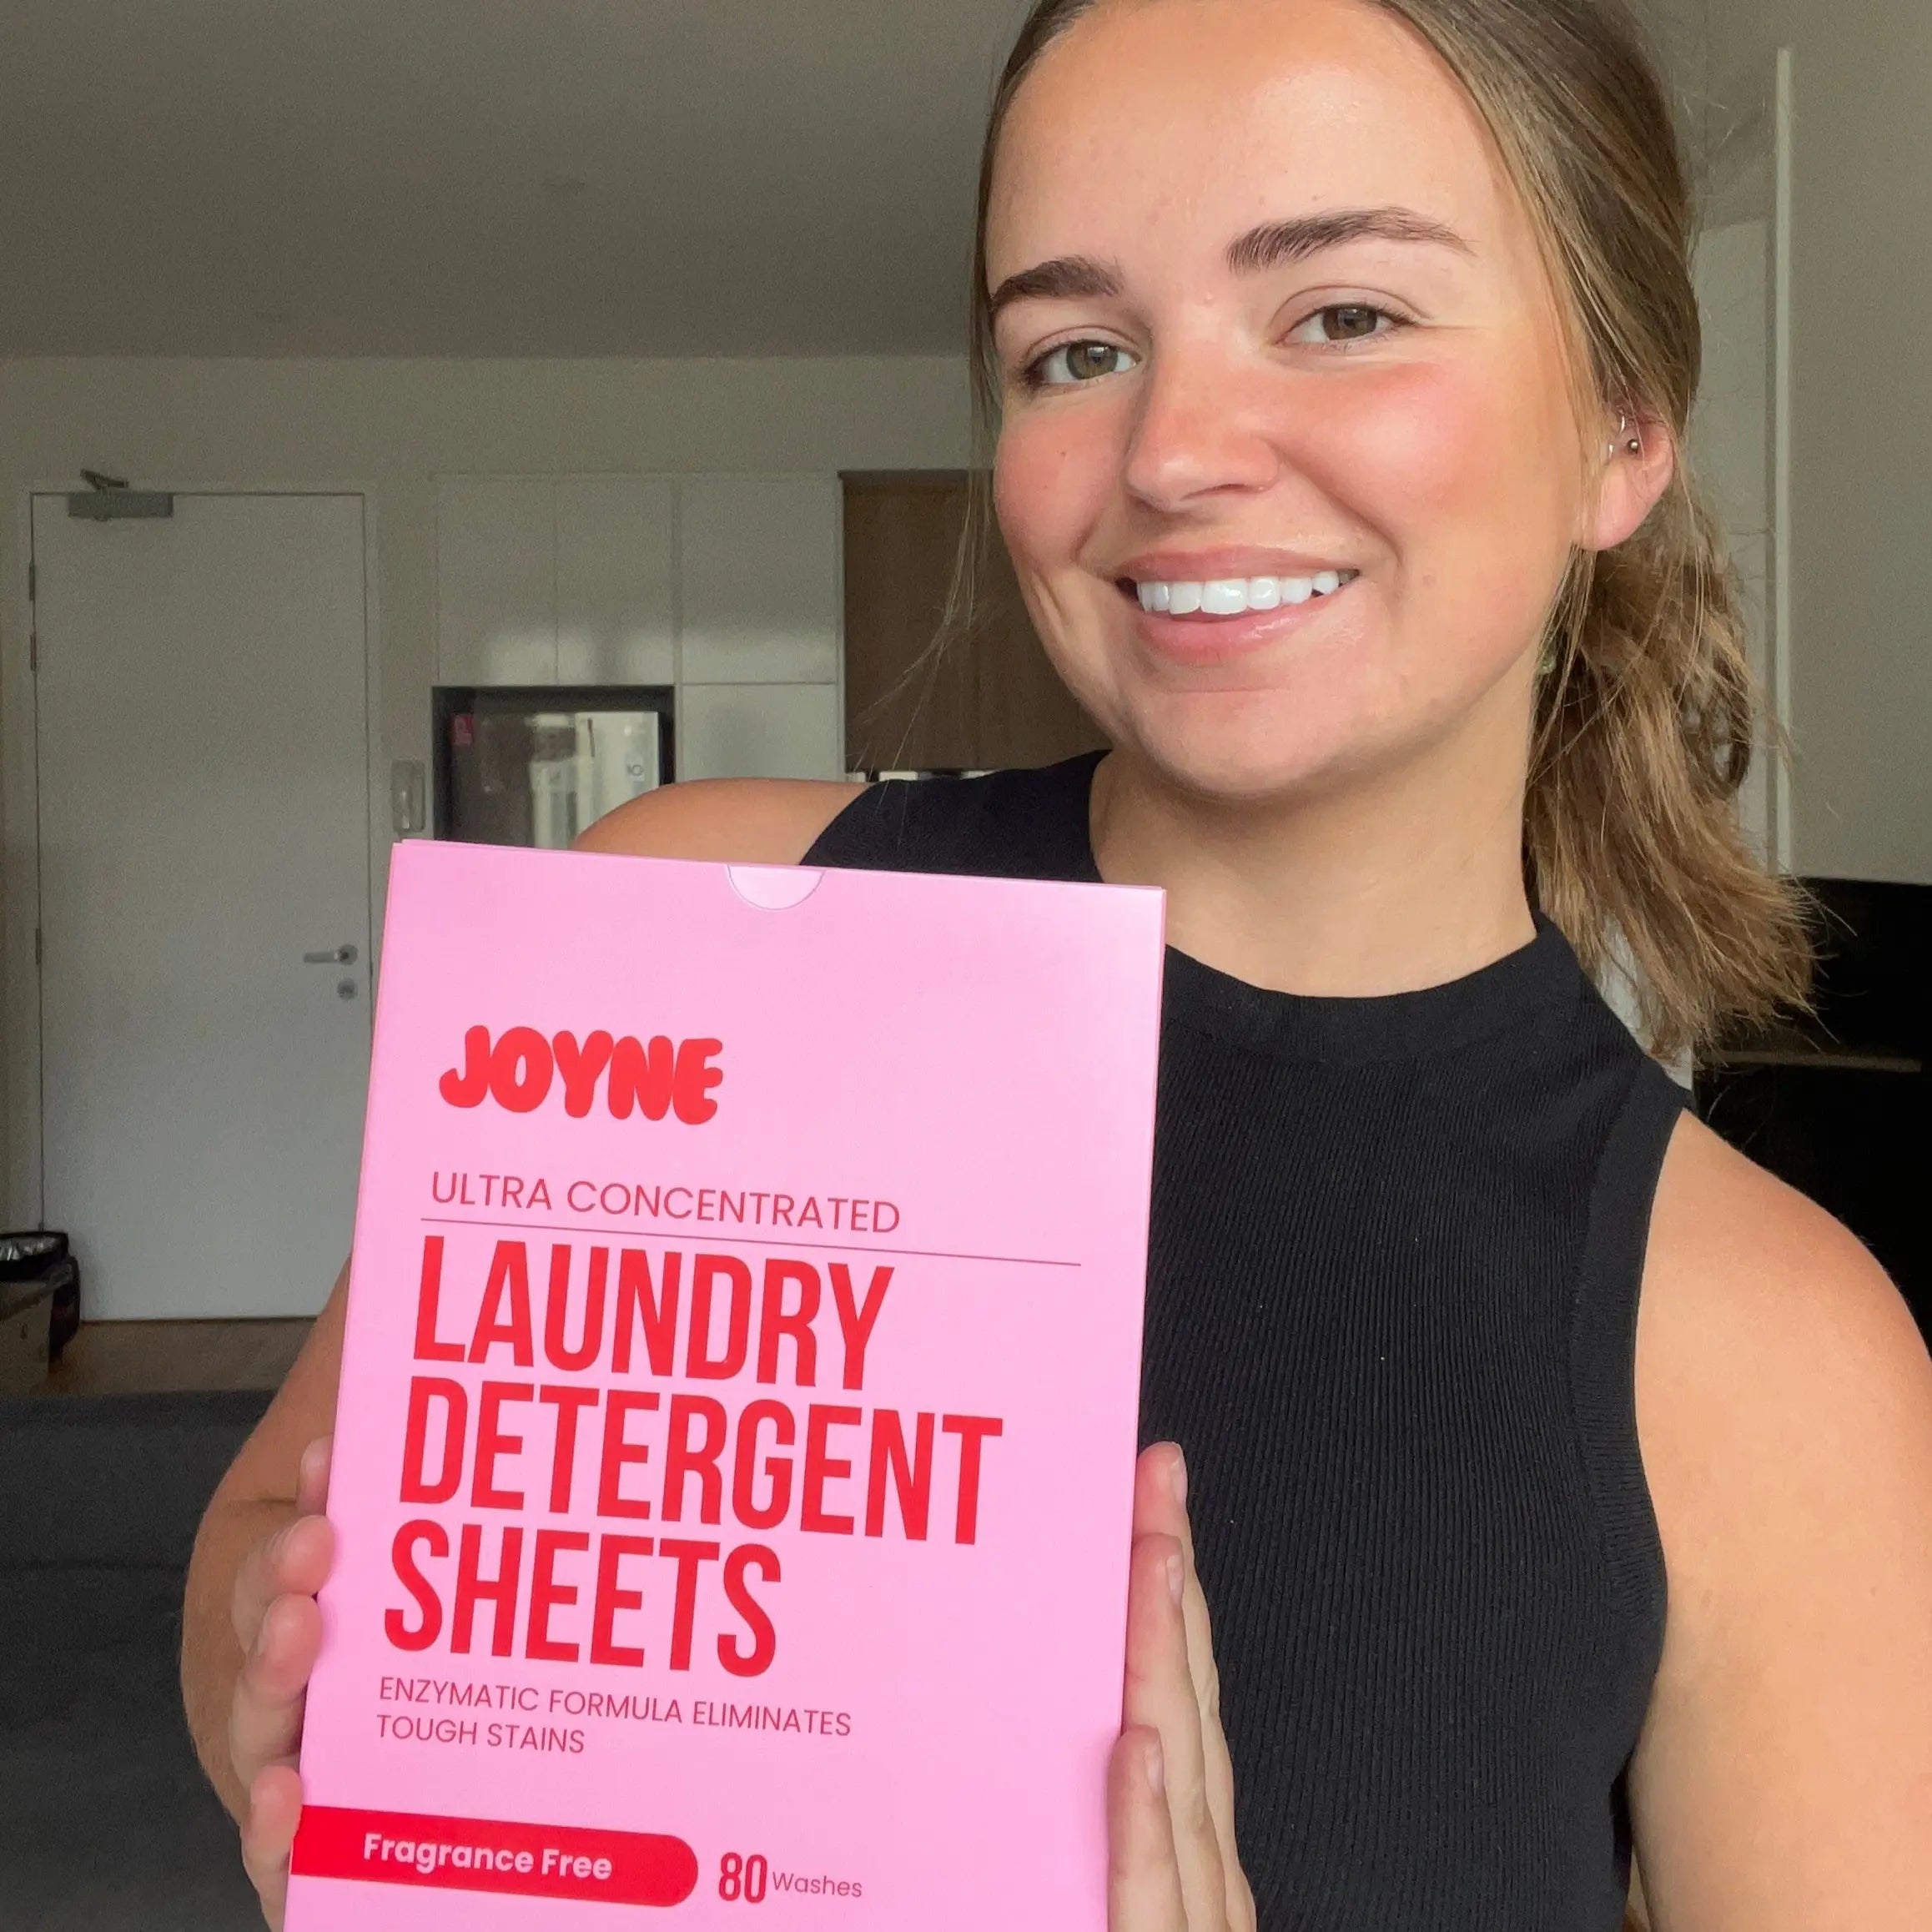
(1180, 1477)
(1176, 1577)
(1156, 1770)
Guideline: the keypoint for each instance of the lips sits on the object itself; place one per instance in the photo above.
(1202, 609)
(1234, 596)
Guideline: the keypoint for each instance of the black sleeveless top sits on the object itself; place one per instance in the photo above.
(1392, 1285)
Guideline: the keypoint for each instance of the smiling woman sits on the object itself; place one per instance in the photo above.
(1559, 1483)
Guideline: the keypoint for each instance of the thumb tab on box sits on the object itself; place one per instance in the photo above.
(773, 888)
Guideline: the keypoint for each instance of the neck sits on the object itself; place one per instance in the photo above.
(1368, 887)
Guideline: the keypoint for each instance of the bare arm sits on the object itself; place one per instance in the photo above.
(1784, 1779)
(731, 821)
(250, 1625)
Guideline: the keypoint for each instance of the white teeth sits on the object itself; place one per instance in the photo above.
(1230, 597)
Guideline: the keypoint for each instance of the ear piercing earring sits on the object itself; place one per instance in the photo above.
(1634, 445)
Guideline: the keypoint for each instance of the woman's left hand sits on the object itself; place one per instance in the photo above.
(1170, 1803)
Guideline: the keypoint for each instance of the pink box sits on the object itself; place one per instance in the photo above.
(734, 1455)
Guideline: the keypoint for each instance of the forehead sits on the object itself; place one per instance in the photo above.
(1202, 118)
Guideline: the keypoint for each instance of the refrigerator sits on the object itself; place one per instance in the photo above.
(536, 765)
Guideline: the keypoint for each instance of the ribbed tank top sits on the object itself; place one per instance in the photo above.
(1394, 1263)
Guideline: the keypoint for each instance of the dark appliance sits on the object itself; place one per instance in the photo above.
(534, 765)
(1839, 1104)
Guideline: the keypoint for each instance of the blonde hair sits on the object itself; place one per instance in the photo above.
(1648, 714)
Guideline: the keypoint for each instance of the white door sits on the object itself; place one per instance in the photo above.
(202, 715)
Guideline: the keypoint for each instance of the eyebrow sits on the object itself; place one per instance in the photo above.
(1293, 240)
(1065, 278)
(1080, 278)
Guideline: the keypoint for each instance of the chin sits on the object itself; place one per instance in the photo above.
(1252, 731)
(1252, 747)
(1292, 725)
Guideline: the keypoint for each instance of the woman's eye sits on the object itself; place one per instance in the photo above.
(1079, 362)
(1345, 322)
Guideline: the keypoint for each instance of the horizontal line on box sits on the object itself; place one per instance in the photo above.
(744, 1240)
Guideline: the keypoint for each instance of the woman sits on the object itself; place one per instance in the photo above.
(1342, 352)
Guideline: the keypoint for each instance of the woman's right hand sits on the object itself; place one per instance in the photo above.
(279, 1627)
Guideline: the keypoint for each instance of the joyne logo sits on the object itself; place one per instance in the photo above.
(518, 1069)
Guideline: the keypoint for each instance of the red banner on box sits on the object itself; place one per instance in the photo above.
(480, 1855)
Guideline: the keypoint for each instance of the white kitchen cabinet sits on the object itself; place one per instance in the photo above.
(760, 731)
(495, 581)
(759, 579)
(615, 581)
(568, 580)
(726, 587)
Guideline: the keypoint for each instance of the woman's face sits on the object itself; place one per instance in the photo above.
(1281, 362)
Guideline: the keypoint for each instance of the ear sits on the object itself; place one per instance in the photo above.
(1629, 483)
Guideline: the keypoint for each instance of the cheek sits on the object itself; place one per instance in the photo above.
(1050, 482)
(1449, 466)
(1406, 438)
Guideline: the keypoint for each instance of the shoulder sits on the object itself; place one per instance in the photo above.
(1744, 1274)
(1784, 1413)
(1026, 823)
(1776, 1363)
(740, 822)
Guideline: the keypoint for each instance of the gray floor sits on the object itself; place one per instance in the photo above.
(106, 1824)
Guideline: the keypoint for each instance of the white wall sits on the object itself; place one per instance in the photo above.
(1731, 450)
(1861, 472)
(390, 428)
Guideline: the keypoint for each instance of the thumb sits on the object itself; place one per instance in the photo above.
(312, 1477)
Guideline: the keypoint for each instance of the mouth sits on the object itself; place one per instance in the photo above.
(1220, 600)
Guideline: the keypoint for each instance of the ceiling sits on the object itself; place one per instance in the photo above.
(499, 177)
(489, 177)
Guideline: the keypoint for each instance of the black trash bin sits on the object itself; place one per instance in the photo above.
(42, 1256)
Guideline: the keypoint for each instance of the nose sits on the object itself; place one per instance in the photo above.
(1195, 432)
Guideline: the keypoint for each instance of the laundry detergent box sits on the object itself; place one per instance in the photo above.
(734, 1463)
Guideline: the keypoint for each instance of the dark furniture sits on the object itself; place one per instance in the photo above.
(1841, 1105)
(991, 700)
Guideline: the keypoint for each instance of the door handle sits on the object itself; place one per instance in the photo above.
(335, 956)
